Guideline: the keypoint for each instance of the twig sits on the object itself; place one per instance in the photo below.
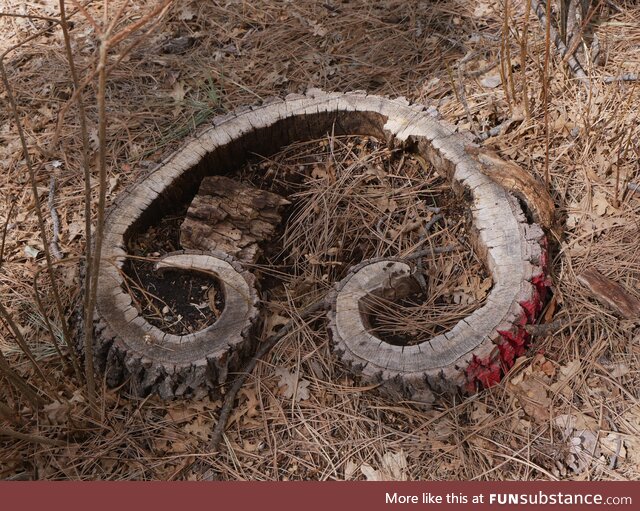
(29, 16)
(577, 36)
(616, 454)
(506, 61)
(595, 49)
(540, 8)
(88, 318)
(266, 347)
(5, 228)
(419, 274)
(432, 222)
(523, 60)
(55, 220)
(31, 438)
(570, 34)
(634, 187)
(627, 77)
(432, 251)
(462, 96)
(102, 199)
(545, 91)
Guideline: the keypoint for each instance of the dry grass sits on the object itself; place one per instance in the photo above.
(438, 53)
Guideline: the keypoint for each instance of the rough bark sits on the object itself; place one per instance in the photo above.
(611, 294)
(472, 354)
(231, 217)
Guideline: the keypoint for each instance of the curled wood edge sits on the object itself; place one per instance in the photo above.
(158, 367)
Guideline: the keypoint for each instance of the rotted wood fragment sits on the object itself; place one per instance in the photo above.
(611, 294)
(519, 182)
(231, 217)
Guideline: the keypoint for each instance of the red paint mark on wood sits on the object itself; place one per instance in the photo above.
(484, 373)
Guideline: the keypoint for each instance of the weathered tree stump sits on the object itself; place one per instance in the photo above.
(231, 217)
(472, 354)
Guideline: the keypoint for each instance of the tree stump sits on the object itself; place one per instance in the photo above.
(472, 354)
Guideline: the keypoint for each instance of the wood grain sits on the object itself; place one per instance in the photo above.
(231, 217)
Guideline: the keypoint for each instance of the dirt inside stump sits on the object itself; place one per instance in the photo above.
(176, 302)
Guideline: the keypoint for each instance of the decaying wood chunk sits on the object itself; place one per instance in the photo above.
(231, 217)
(611, 294)
(519, 182)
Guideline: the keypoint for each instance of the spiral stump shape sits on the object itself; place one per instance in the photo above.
(474, 353)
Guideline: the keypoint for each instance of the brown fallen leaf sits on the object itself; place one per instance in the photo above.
(291, 385)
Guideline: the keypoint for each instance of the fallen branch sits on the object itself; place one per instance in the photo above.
(34, 439)
(539, 7)
(627, 77)
(55, 220)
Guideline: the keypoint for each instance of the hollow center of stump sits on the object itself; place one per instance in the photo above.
(177, 302)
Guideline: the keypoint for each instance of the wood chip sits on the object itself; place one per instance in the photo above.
(611, 294)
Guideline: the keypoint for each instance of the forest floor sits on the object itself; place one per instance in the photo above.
(569, 409)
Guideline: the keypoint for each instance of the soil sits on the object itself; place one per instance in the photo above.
(176, 302)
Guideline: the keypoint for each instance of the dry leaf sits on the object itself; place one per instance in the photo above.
(187, 12)
(350, 468)
(31, 251)
(274, 322)
(581, 433)
(291, 385)
(57, 412)
(370, 473)
(178, 91)
(612, 445)
(393, 467)
(600, 204)
(318, 30)
(532, 392)
(199, 429)
(75, 230)
(567, 373)
(479, 412)
(619, 370)
(252, 401)
(491, 81)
